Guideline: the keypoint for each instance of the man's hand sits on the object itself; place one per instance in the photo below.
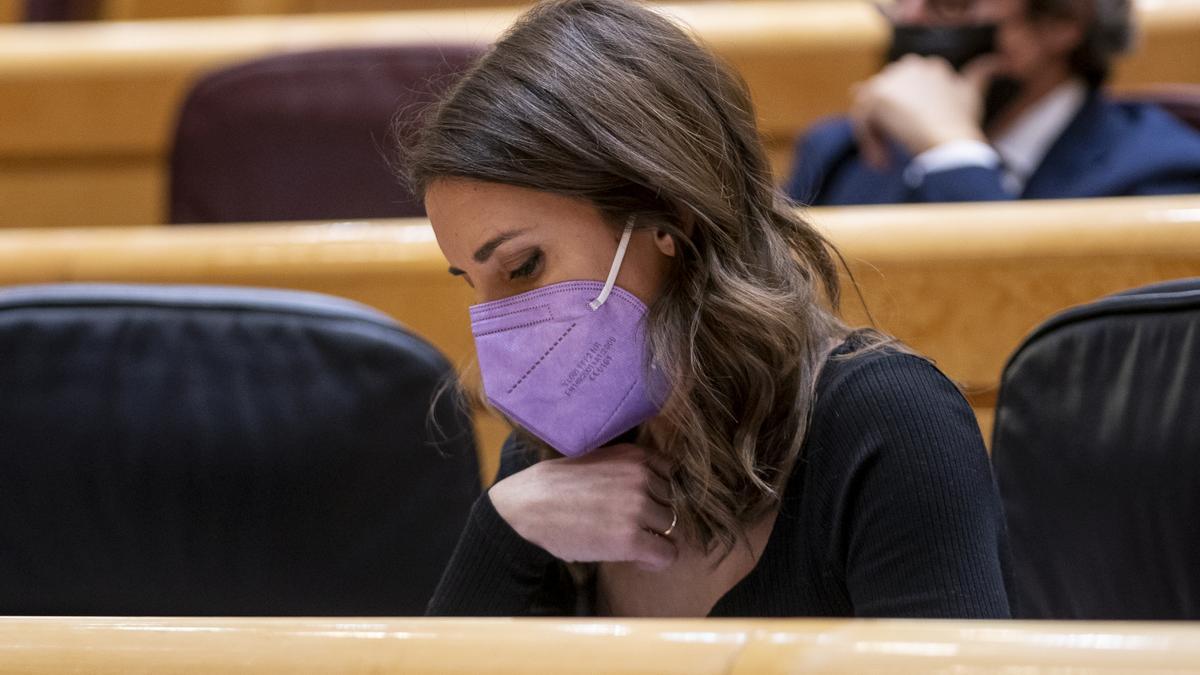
(920, 102)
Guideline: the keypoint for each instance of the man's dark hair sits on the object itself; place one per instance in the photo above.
(1108, 32)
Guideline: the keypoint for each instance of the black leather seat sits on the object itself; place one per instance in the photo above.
(1097, 452)
(306, 135)
(222, 451)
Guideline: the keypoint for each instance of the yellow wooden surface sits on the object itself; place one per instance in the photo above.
(94, 104)
(267, 646)
(960, 283)
(160, 9)
(10, 10)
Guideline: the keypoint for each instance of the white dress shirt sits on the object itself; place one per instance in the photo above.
(1019, 150)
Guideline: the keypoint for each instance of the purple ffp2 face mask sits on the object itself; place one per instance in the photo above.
(568, 361)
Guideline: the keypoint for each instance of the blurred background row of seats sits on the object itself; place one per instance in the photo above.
(93, 111)
(312, 135)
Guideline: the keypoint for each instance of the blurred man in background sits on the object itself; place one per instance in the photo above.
(996, 100)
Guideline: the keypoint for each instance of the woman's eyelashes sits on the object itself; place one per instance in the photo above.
(527, 268)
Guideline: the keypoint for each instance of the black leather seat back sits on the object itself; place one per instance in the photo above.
(1097, 452)
(207, 450)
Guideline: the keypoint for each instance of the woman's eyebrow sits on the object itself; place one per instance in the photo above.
(484, 252)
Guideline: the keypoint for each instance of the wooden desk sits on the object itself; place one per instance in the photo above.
(89, 109)
(178, 646)
(962, 284)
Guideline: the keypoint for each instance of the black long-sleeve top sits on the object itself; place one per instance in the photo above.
(892, 511)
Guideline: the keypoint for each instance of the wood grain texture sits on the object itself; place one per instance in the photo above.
(962, 284)
(351, 646)
(105, 94)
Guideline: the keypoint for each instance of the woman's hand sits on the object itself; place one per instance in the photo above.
(604, 506)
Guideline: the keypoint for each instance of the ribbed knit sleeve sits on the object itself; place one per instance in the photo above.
(916, 527)
(494, 571)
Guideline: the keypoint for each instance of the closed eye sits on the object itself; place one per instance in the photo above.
(529, 267)
(460, 273)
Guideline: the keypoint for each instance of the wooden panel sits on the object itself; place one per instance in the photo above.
(964, 283)
(108, 92)
(960, 283)
(177, 646)
(10, 10)
(158, 9)
(45, 193)
(797, 57)
(1167, 48)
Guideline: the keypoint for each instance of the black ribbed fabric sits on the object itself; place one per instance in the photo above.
(892, 512)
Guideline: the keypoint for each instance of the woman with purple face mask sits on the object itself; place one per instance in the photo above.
(697, 432)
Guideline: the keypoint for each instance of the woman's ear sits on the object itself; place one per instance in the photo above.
(665, 243)
(663, 238)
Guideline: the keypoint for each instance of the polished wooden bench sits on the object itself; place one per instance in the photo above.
(351, 646)
(960, 283)
(89, 109)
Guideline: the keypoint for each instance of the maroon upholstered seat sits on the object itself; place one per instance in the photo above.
(60, 10)
(304, 136)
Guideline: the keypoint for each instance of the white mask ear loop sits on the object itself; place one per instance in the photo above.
(616, 266)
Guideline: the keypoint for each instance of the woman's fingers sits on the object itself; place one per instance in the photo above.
(657, 518)
(658, 489)
(657, 463)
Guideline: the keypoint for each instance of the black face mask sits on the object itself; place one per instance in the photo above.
(958, 45)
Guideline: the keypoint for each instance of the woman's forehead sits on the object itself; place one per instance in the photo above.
(468, 216)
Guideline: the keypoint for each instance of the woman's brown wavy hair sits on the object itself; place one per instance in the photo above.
(608, 101)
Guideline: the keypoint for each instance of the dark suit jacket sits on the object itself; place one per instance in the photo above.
(1110, 149)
